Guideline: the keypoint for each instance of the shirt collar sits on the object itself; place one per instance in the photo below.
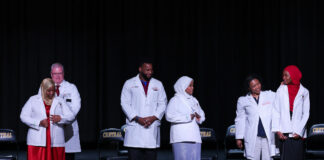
(62, 83)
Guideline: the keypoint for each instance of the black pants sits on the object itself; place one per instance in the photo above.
(292, 149)
(141, 154)
(69, 156)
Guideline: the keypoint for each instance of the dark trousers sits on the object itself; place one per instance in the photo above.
(292, 149)
(142, 154)
(69, 156)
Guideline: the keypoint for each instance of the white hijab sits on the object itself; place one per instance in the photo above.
(180, 88)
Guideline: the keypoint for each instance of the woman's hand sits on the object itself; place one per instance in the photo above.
(43, 123)
(192, 116)
(239, 143)
(197, 116)
(55, 118)
(281, 136)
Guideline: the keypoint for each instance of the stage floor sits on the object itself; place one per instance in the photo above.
(92, 154)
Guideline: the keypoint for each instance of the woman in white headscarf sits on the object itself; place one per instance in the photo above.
(185, 113)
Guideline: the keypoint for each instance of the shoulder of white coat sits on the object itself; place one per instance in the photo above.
(130, 81)
(156, 81)
(196, 100)
(35, 97)
(305, 90)
(242, 99)
(269, 93)
(281, 87)
(70, 85)
(173, 100)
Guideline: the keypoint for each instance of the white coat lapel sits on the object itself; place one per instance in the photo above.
(252, 100)
(286, 97)
(62, 88)
(150, 88)
(42, 106)
(254, 104)
(261, 105)
(53, 106)
(140, 85)
(300, 91)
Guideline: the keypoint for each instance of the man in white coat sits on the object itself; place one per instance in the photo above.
(143, 101)
(253, 121)
(71, 96)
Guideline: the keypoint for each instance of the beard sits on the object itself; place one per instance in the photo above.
(145, 76)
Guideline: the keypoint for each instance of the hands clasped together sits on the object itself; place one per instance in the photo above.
(283, 137)
(195, 115)
(146, 121)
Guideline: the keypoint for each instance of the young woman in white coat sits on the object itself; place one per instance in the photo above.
(290, 114)
(45, 115)
(253, 121)
(185, 113)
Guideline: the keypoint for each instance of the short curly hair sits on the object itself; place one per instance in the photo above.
(249, 78)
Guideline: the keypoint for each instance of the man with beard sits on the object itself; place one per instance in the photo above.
(143, 101)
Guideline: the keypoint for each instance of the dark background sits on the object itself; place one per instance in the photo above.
(99, 42)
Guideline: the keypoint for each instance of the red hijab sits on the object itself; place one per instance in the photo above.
(294, 85)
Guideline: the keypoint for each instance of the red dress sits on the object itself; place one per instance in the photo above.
(48, 152)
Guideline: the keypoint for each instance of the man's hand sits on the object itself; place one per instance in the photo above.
(296, 136)
(44, 123)
(141, 121)
(149, 120)
(55, 118)
(239, 143)
(281, 136)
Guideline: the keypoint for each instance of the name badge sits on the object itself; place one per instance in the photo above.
(266, 103)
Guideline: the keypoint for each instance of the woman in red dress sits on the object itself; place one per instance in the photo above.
(45, 115)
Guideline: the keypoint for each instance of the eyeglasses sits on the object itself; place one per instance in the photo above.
(56, 74)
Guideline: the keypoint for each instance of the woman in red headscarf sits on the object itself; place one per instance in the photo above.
(290, 114)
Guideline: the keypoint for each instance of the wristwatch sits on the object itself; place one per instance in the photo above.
(136, 119)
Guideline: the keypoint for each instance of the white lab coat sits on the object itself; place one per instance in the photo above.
(34, 111)
(71, 96)
(281, 113)
(183, 128)
(247, 119)
(134, 102)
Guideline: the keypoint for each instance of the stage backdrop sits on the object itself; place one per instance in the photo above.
(218, 43)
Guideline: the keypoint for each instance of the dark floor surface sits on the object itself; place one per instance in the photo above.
(92, 154)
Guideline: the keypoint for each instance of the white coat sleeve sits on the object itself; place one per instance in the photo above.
(305, 115)
(240, 120)
(26, 116)
(162, 102)
(276, 113)
(76, 100)
(174, 114)
(68, 116)
(125, 99)
(201, 114)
